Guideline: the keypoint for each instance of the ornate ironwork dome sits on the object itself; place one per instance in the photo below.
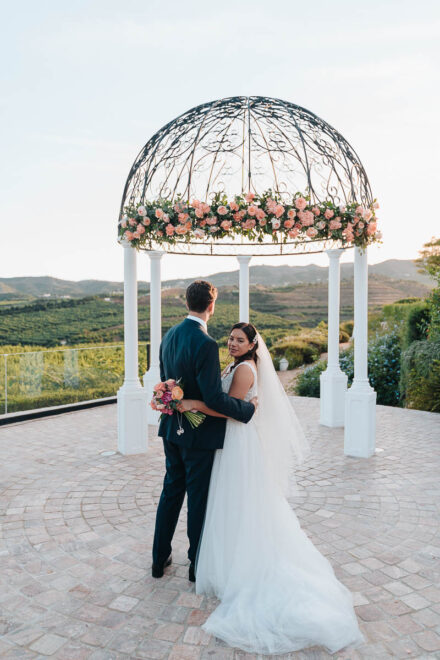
(247, 144)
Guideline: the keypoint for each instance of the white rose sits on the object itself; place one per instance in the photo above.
(142, 210)
(276, 224)
(199, 233)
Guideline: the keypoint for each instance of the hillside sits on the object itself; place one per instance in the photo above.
(28, 288)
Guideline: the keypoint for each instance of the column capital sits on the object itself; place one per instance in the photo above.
(125, 243)
(244, 258)
(155, 254)
(334, 253)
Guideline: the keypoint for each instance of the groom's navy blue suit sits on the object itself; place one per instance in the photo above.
(189, 353)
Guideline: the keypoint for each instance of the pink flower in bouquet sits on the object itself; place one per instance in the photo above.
(311, 232)
(249, 224)
(159, 232)
(195, 203)
(181, 230)
(222, 210)
(249, 197)
(128, 235)
(169, 230)
(291, 214)
(226, 225)
(367, 214)
(199, 233)
(158, 213)
(146, 221)
(140, 229)
(355, 220)
(320, 225)
(183, 217)
(271, 205)
(177, 393)
(361, 224)
(136, 234)
(335, 224)
(293, 233)
(289, 224)
(234, 206)
(202, 223)
(262, 222)
(213, 229)
(199, 212)
(160, 387)
(360, 210)
(300, 203)
(124, 224)
(371, 229)
(132, 222)
(279, 210)
(260, 214)
(316, 211)
(142, 210)
(329, 214)
(206, 208)
(252, 210)
(212, 220)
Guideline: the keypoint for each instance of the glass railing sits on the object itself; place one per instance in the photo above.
(54, 377)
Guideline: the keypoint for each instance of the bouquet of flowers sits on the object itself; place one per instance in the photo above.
(166, 398)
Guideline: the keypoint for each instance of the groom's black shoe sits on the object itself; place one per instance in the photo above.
(191, 573)
(157, 569)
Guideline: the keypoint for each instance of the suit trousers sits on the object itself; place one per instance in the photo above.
(187, 470)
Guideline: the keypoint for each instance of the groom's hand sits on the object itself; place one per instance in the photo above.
(254, 400)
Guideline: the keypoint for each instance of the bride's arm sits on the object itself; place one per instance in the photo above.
(240, 386)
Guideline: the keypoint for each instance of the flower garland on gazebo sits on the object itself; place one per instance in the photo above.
(255, 217)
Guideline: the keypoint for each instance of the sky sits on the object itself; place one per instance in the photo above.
(85, 84)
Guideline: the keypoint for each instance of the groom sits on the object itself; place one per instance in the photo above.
(188, 352)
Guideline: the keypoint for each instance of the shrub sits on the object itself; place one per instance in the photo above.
(423, 393)
(347, 327)
(308, 381)
(417, 366)
(416, 325)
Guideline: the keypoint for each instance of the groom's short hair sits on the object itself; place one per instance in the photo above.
(199, 295)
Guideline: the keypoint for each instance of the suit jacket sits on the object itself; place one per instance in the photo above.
(189, 353)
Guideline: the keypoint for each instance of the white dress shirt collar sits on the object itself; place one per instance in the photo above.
(199, 320)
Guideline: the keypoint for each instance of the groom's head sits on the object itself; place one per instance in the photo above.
(201, 297)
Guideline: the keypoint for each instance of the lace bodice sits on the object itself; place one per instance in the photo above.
(229, 375)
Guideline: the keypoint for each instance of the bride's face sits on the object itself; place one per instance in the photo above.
(238, 343)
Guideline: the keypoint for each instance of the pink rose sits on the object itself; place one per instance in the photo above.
(316, 210)
(271, 205)
(199, 233)
(300, 203)
(360, 210)
(183, 217)
(367, 214)
(195, 203)
(293, 233)
(249, 197)
(329, 214)
(136, 234)
(335, 224)
(146, 221)
(222, 210)
(212, 220)
(262, 222)
(288, 224)
(371, 229)
(199, 212)
(213, 229)
(169, 230)
(291, 214)
(128, 235)
(206, 208)
(279, 210)
(226, 225)
(233, 206)
(311, 232)
(260, 215)
(180, 229)
(306, 218)
(158, 213)
(376, 205)
(142, 211)
(140, 229)
(361, 224)
(252, 210)
(132, 222)
(159, 233)
(202, 223)
(124, 224)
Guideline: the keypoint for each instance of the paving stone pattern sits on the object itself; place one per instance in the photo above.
(76, 535)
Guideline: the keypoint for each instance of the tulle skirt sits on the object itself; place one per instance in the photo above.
(278, 593)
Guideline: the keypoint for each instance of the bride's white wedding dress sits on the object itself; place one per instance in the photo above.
(278, 593)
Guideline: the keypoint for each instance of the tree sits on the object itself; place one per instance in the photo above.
(429, 262)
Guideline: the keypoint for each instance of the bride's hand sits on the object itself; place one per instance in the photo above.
(254, 400)
(186, 405)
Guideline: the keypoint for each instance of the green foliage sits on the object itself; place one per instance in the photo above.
(304, 348)
(417, 364)
(383, 370)
(423, 391)
(347, 327)
(307, 383)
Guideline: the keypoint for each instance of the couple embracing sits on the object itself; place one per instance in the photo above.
(277, 592)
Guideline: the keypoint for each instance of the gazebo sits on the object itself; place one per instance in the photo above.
(249, 176)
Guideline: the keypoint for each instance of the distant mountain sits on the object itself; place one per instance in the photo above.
(270, 276)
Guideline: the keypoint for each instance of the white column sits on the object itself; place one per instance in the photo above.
(244, 287)
(152, 376)
(333, 381)
(131, 400)
(360, 400)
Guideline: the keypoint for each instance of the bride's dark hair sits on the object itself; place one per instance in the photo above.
(251, 333)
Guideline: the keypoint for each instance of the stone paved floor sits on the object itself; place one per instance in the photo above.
(77, 528)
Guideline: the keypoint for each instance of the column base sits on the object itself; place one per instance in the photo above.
(360, 420)
(150, 379)
(333, 388)
(132, 419)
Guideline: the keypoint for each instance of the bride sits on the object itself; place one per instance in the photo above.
(278, 593)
